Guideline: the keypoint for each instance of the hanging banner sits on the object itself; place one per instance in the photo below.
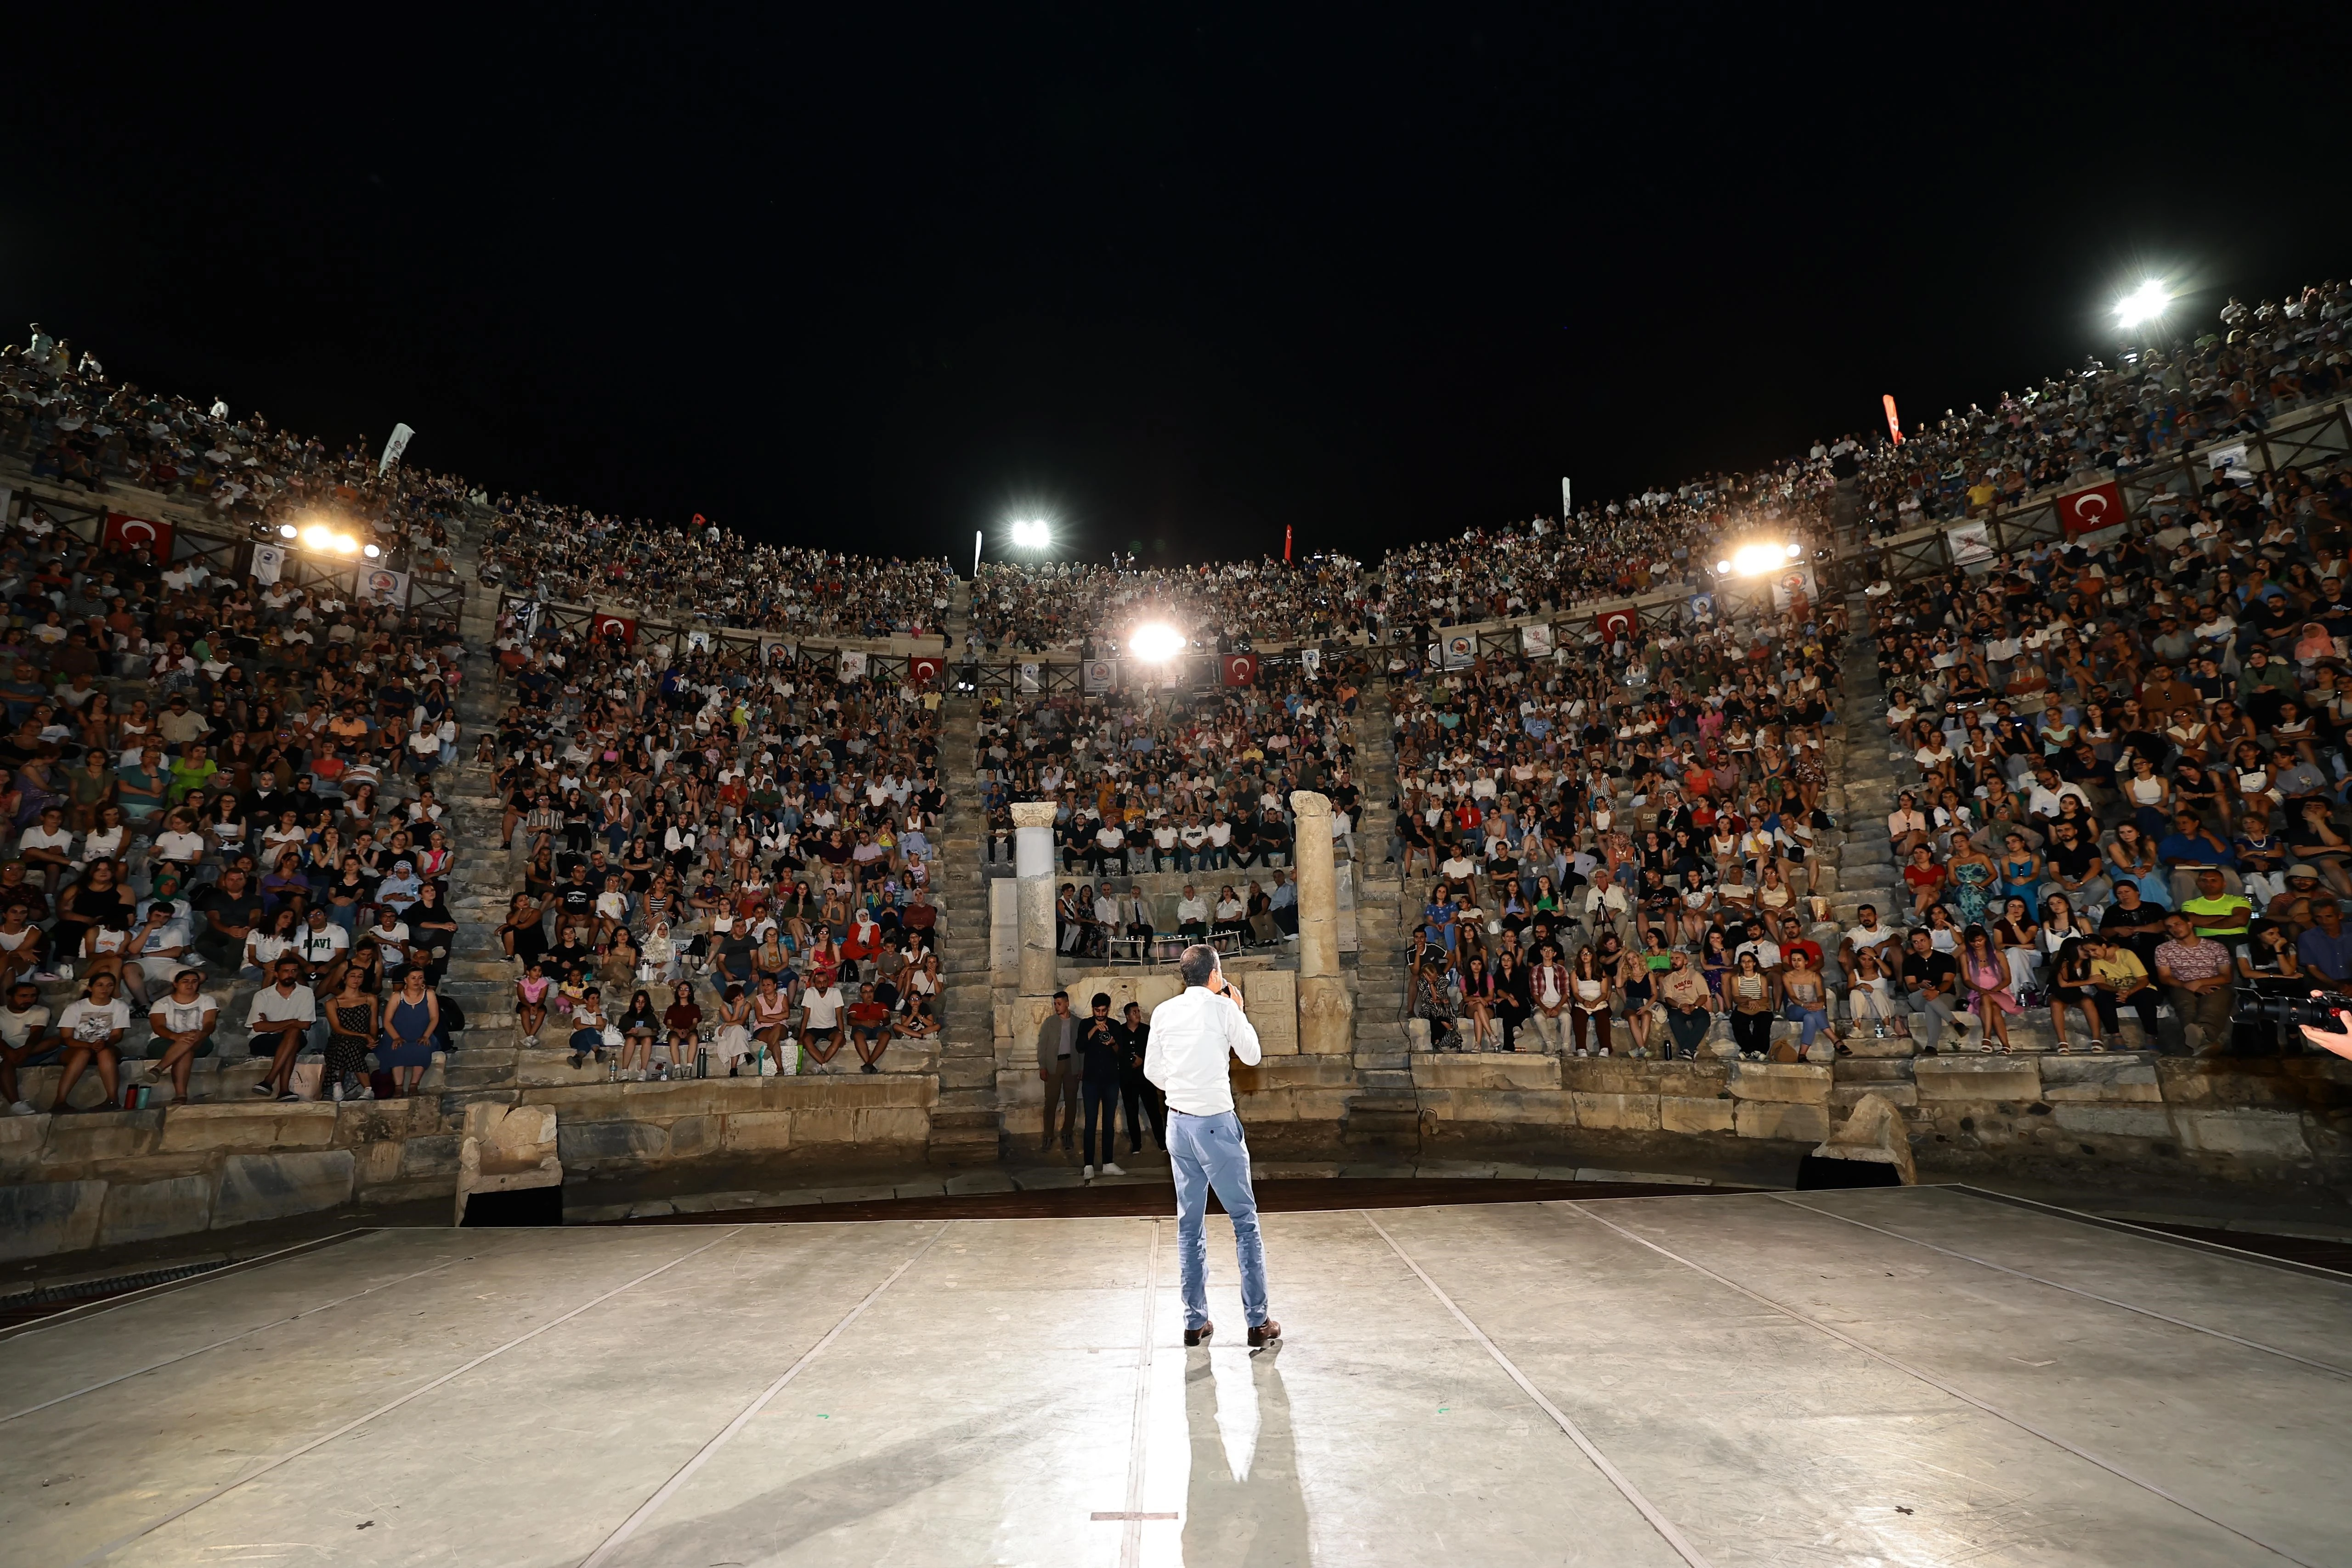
(1286, 544)
(1969, 543)
(2087, 511)
(853, 664)
(1566, 504)
(381, 585)
(1893, 424)
(925, 669)
(1240, 669)
(269, 563)
(1701, 608)
(1616, 625)
(393, 448)
(1794, 589)
(1096, 676)
(126, 533)
(617, 629)
(1535, 641)
(1311, 661)
(698, 642)
(1027, 677)
(2233, 463)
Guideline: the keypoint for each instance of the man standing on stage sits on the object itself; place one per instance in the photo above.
(1190, 1035)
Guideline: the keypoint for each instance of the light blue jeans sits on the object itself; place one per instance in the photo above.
(1210, 1152)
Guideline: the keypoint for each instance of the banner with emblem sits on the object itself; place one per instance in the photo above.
(1026, 676)
(2233, 463)
(1239, 669)
(1795, 587)
(853, 664)
(1311, 661)
(1535, 641)
(126, 533)
(1461, 650)
(1969, 543)
(615, 629)
(269, 563)
(925, 668)
(1617, 625)
(381, 585)
(698, 642)
(1095, 676)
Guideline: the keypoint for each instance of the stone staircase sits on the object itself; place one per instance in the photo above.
(1385, 1109)
(964, 1123)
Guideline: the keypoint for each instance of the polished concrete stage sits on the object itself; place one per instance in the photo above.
(1886, 1377)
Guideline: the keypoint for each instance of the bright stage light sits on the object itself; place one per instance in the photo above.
(1723, 568)
(2145, 303)
(1753, 559)
(370, 552)
(287, 530)
(318, 536)
(1795, 550)
(1156, 644)
(1031, 533)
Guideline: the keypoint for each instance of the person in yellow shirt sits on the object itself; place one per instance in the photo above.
(2215, 912)
(2120, 980)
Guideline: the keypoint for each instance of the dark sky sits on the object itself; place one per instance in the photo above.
(1177, 278)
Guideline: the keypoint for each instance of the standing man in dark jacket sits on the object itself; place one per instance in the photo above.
(1143, 1098)
(1102, 1042)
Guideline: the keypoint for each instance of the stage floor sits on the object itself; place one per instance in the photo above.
(1895, 1378)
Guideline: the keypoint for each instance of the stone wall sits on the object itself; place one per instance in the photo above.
(98, 1178)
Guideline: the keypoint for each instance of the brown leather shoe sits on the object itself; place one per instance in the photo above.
(1199, 1335)
(1265, 1334)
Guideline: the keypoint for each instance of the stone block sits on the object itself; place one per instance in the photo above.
(1782, 1120)
(756, 1131)
(1272, 997)
(825, 1124)
(1844, 1097)
(598, 1142)
(378, 1163)
(151, 1211)
(1608, 1075)
(253, 1126)
(1509, 1070)
(39, 1218)
(22, 1139)
(891, 1124)
(1780, 1082)
(1873, 1135)
(2104, 1079)
(1628, 1112)
(689, 1135)
(100, 1135)
(431, 1157)
(2112, 1121)
(1976, 1078)
(271, 1186)
(1692, 1113)
(1872, 1046)
(2250, 1134)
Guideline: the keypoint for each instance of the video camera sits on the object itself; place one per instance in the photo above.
(2318, 1009)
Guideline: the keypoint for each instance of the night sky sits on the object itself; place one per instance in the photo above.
(1175, 279)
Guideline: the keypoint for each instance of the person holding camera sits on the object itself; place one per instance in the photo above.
(1192, 1036)
(1101, 1047)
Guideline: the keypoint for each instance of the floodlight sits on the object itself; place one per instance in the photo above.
(370, 552)
(2145, 303)
(1156, 644)
(287, 530)
(1795, 550)
(1750, 559)
(1723, 568)
(1032, 533)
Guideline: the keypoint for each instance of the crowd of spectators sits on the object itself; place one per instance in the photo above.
(728, 862)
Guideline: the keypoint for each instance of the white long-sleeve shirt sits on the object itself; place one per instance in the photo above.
(1186, 1055)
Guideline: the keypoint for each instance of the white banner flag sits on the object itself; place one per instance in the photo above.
(1969, 543)
(1097, 674)
(379, 585)
(1534, 641)
(1790, 586)
(1461, 650)
(269, 563)
(1566, 504)
(394, 447)
(1311, 661)
(853, 665)
(2229, 463)
(1029, 677)
(699, 640)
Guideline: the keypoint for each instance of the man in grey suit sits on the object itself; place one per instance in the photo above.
(1056, 1040)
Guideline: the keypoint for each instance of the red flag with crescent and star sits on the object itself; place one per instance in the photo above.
(923, 672)
(127, 533)
(1241, 669)
(1616, 625)
(617, 629)
(2085, 511)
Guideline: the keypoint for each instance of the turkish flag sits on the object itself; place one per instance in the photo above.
(923, 672)
(617, 629)
(127, 534)
(1616, 625)
(1241, 669)
(2100, 506)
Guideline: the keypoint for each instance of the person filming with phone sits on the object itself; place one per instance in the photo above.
(1191, 1035)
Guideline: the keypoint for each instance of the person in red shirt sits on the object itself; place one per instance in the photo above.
(869, 1028)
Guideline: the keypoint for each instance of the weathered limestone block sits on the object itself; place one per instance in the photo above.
(1873, 1135)
(1004, 927)
(39, 1218)
(1844, 1097)
(603, 1143)
(1783, 1083)
(1976, 1078)
(271, 1186)
(1506, 1070)
(506, 1148)
(1327, 1015)
(2112, 1120)
(1627, 1113)
(1780, 1119)
(22, 1139)
(1870, 1045)
(748, 1132)
(2102, 1079)
(2254, 1135)
(103, 1135)
(253, 1126)
(1271, 1003)
(151, 1211)
(1691, 1113)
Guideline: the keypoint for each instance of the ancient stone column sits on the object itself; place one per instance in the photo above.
(1326, 1010)
(1032, 862)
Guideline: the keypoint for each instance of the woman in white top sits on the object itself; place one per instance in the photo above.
(1907, 825)
(266, 942)
(110, 841)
